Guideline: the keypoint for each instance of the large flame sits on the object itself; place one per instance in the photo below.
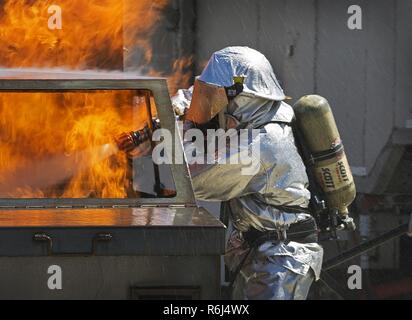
(68, 133)
(61, 144)
(92, 33)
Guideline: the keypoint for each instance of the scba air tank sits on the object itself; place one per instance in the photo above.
(327, 159)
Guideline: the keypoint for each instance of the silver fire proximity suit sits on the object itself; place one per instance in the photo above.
(281, 269)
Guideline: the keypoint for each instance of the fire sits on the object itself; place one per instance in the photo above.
(61, 144)
(181, 75)
(95, 34)
(92, 36)
(48, 132)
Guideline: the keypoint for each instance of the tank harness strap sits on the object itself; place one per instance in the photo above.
(303, 231)
(327, 154)
(291, 209)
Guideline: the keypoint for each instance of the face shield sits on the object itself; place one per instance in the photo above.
(207, 101)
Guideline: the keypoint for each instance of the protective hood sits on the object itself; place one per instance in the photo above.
(243, 61)
(252, 112)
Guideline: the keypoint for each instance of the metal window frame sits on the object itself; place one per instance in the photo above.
(76, 82)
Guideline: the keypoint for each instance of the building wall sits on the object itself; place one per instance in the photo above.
(365, 74)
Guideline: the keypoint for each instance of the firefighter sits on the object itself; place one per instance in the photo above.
(272, 250)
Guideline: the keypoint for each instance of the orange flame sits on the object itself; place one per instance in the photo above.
(92, 33)
(70, 128)
(54, 144)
